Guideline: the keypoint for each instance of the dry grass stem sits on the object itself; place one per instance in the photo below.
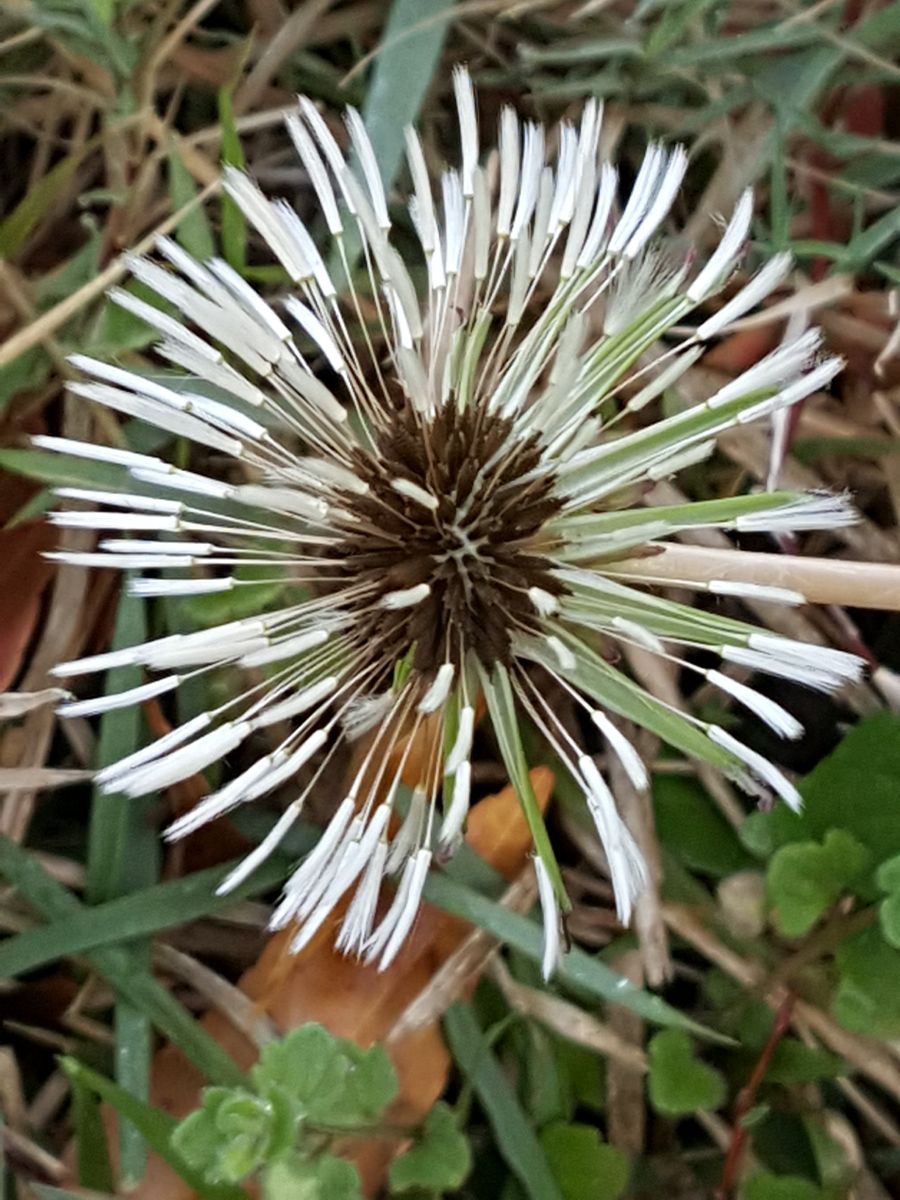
(820, 580)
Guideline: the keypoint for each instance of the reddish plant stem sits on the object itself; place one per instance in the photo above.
(747, 1095)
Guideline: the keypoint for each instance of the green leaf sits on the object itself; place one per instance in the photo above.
(410, 47)
(864, 246)
(513, 1134)
(104, 9)
(40, 199)
(92, 1152)
(322, 1178)
(59, 470)
(806, 878)
(764, 1186)
(234, 225)
(371, 1083)
(888, 879)
(304, 1065)
(156, 1127)
(123, 847)
(889, 916)
(888, 874)
(504, 720)
(25, 373)
(808, 450)
(233, 1133)
(793, 1062)
(834, 799)
(614, 690)
(693, 830)
(439, 1161)
(867, 1000)
(679, 1082)
(325, 1079)
(586, 1168)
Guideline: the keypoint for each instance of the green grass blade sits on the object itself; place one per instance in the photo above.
(154, 1125)
(234, 226)
(578, 969)
(502, 708)
(512, 1132)
(119, 968)
(91, 1151)
(123, 854)
(123, 848)
(137, 915)
(193, 230)
(59, 470)
(411, 45)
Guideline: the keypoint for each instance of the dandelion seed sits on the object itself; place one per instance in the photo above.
(446, 514)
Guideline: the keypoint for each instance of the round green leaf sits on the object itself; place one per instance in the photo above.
(439, 1161)
(585, 1167)
(806, 878)
(324, 1177)
(679, 1082)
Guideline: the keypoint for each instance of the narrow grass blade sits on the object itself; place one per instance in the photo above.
(577, 970)
(91, 1150)
(119, 968)
(124, 854)
(137, 915)
(193, 231)
(513, 1134)
(411, 45)
(155, 1126)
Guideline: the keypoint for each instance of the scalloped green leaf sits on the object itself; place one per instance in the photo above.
(806, 878)
(439, 1161)
(585, 1167)
(679, 1083)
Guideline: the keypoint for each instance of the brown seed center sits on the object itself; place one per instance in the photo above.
(479, 544)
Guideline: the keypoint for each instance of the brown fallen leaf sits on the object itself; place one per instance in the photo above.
(353, 1001)
(23, 576)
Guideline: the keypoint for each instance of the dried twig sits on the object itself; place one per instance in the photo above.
(568, 1020)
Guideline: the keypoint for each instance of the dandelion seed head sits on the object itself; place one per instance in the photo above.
(438, 483)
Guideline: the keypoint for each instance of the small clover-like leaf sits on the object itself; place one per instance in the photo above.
(233, 1133)
(868, 996)
(763, 1186)
(806, 878)
(439, 1161)
(370, 1083)
(196, 1138)
(584, 1166)
(328, 1080)
(889, 916)
(679, 1082)
(306, 1067)
(793, 1062)
(888, 879)
(888, 874)
(324, 1177)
